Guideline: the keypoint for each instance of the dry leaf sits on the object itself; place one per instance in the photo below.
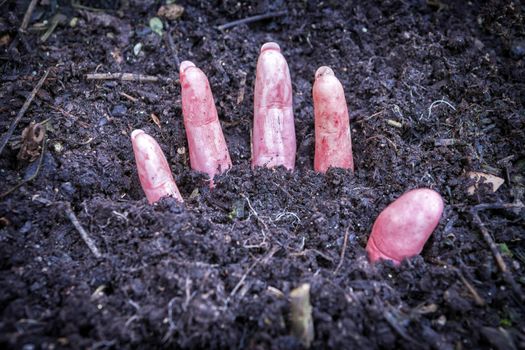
(172, 11)
(156, 120)
(117, 55)
(5, 40)
(32, 137)
(194, 193)
(487, 178)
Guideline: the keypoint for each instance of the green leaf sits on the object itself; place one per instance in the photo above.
(504, 248)
(156, 25)
(505, 322)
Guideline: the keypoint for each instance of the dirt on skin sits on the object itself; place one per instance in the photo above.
(217, 271)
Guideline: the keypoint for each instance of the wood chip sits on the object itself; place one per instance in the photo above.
(445, 142)
(486, 178)
(394, 123)
(156, 120)
(301, 320)
(172, 11)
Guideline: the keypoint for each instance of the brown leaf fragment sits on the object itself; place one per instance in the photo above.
(171, 11)
(479, 177)
(32, 137)
(156, 120)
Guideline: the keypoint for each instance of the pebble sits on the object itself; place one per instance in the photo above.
(67, 188)
(26, 228)
(517, 50)
(102, 121)
(456, 41)
(119, 111)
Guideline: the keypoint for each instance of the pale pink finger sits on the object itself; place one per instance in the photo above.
(402, 228)
(153, 169)
(273, 137)
(333, 143)
(207, 146)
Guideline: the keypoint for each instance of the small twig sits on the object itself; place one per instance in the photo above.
(292, 198)
(477, 298)
(53, 23)
(27, 16)
(32, 177)
(189, 294)
(392, 321)
(241, 281)
(315, 251)
(172, 325)
(369, 117)
(382, 136)
(89, 242)
(264, 259)
(251, 19)
(343, 250)
(60, 110)
(22, 111)
(76, 4)
(240, 96)
(447, 142)
(129, 97)
(492, 245)
(486, 235)
(302, 323)
(173, 50)
(122, 77)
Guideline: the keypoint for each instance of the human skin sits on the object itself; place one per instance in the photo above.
(207, 146)
(154, 171)
(273, 137)
(402, 228)
(333, 142)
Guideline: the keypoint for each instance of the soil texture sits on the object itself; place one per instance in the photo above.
(435, 90)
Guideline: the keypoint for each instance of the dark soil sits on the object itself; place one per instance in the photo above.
(216, 272)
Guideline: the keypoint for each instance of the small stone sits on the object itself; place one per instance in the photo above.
(57, 146)
(119, 111)
(517, 50)
(73, 23)
(456, 41)
(137, 49)
(102, 121)
(26, 228)
(67, 188)
(152, 41)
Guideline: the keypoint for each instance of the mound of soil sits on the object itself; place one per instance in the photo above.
(435, 90)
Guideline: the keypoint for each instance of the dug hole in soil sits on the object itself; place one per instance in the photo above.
(435, 90)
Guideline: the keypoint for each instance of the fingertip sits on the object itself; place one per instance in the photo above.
(136, 133)
(432, 197)
(185, 65)
(270, 46)
(324, 70)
